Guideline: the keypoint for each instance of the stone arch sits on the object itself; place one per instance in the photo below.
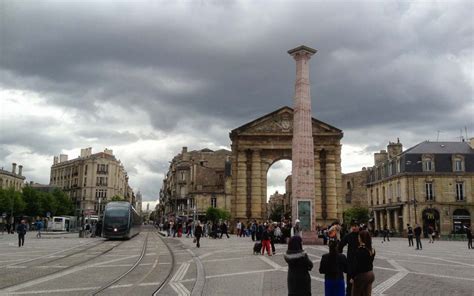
(268, 139)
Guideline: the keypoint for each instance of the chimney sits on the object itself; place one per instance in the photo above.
(55, 160)
(185, 154)
(62, 157)
(20, 170)
(14, 168)
(185, 150)
(394, 149)
(380, 157)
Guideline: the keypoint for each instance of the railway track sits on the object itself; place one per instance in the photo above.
(27, 278)
(167, 278)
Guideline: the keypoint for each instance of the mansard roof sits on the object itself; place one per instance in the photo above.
(428, 147)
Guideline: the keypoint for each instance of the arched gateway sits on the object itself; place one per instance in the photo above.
(258, 144)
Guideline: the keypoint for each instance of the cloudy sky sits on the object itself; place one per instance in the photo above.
(145, 78)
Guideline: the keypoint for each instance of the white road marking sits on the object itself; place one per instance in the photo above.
(270, 262)
(79, 289)
(390, 282)
(59, 274)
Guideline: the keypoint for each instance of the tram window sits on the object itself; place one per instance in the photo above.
(58, 220)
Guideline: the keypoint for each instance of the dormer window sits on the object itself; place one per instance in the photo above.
(428, 163)
(458, 163)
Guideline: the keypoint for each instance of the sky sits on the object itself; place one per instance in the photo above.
(145, 78)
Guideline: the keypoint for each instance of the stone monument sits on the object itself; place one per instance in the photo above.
(303, 197)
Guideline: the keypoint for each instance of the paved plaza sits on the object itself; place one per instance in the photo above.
(76, 266)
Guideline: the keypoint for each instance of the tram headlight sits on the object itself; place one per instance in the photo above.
(115, 229)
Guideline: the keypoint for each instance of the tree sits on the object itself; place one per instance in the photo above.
(276, 213)
(11, 200)
(215, 214)
(31, 197)
(63, 204)
(117, 198)
(361, 215)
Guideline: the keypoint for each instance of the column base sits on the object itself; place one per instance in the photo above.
(311, 238)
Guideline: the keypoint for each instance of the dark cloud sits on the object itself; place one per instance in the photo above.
(204, 68)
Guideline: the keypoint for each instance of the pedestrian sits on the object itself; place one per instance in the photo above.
(363, 275)
(271, 231)
(352, 241)
(98, 230)
(266, 241)
(198, 234)
(299, 266)
(224, 230)
(238, 226)
(253, 230)
(87, 229)
(418, 237)
(260, 229)
(93, 228)
(410, 235)
(430, 234)
(334, 231)
(469, 237)
(39, 227)
(21, 230)
(333, 265)
(386, 234)
(296, 229)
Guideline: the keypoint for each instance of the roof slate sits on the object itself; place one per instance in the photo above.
(440, 148)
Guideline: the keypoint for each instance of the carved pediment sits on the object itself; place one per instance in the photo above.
(279, 122)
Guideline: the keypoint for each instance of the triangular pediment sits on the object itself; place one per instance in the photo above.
(280, 122)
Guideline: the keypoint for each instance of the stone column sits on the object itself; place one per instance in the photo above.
(376, 220)
(331, 186)
(406, 219)
(389, 222)
(302, 145)
(256, 206)
(396, 213)
(317, 189)
(241, 192)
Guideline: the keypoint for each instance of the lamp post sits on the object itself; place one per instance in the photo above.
(100, 200)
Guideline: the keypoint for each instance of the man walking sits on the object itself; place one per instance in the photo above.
(239, 228)
(224, 230)
(418, 237)
(352, 241)
(386, 234)
(410, 235)
(39, 227)
(21, 230)
(469, 237)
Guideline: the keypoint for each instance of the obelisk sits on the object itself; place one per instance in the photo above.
(303, 198)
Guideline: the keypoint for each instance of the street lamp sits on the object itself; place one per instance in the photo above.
(100, 200)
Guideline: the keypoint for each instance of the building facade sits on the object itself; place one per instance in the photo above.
(12, 179)
(354, 189)
(91, 180)
(430, 184)
(195, 181)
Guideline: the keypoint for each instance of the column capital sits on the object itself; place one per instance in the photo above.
(302, 51)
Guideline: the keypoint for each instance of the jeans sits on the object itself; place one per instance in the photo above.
(334, 287)
(410, 240)
(418, 242)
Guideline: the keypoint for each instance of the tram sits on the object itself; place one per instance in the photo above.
(121, 220)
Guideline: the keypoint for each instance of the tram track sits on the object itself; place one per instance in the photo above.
(168, 276)
(137, 262)
(27, 278)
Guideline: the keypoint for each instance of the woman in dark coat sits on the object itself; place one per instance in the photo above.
(333, 265)
(363, 275)
(299, 265)
(198, 234)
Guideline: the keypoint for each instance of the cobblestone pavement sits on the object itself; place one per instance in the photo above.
(227, 267)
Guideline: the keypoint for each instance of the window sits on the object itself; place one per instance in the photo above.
(458, 163)
(191, 203)
(85, 170)
(398, 166)
(459, 191)
(85, 182)
(213, 202)
(429, 191)
(377, 195)
(428, 164)
(384, 194)
(398, 189)
(183, 176)
(182, 191)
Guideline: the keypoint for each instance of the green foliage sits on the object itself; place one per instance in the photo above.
(116, 198)
(64, 205)
(31, 202)
(215, 214)
(361, 215)
(277, 213)
(11, 199)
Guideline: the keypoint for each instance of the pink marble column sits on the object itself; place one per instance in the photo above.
(302, 146)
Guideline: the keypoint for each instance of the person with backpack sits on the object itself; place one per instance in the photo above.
(296, 229)
(352, 241)
(333, 265)
(299, 266)
(198, 234)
